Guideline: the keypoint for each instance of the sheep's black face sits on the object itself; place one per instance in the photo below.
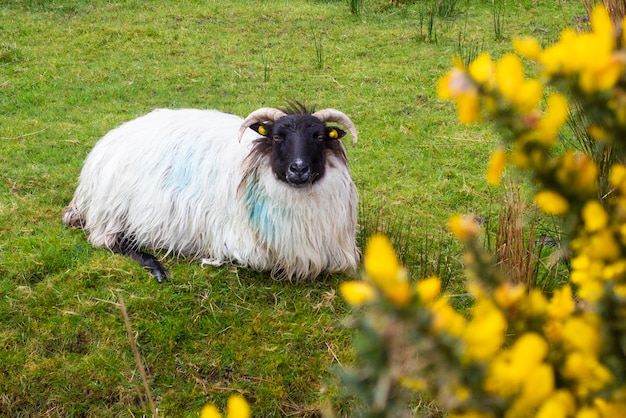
(298, 147)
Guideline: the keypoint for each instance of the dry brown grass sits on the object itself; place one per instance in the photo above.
(515, 243)
(616, 8)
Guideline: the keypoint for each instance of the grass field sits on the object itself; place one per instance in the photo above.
(72, 70)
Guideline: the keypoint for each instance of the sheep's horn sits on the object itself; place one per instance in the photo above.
(260, 115)
(334, 115)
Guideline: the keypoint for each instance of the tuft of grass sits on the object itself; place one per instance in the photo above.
(498, 19)
(9, 53)
(355, 7)
(423, 251)
(319, 48)
(528, 250)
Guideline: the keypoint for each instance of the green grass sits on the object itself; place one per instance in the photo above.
(72, 70)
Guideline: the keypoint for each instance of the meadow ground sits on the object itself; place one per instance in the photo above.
(72, 70)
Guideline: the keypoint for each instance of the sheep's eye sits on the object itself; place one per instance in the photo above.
(320, 138)
(276, 138)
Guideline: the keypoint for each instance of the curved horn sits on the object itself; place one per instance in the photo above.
(334, 115)
(260, 115)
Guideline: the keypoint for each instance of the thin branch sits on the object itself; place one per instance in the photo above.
(142, 370)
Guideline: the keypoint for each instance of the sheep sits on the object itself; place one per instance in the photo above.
(271, 192)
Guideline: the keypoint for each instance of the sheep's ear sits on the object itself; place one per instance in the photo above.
(262, 128)
(334, 133)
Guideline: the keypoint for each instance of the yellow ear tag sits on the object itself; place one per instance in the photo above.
(333, 134)
(262, 130)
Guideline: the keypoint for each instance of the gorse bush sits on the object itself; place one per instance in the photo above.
(517, 352)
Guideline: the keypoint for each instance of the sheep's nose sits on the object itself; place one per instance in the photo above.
(298, 172)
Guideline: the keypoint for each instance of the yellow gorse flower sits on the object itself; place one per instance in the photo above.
(357, 292)
(210, 411)
(551, 202)
(428, 289)
(457, 85)
(527, 47)
(594, 216)
(509, 76)
(484, 333)
(560, 404)
(590, 55)
(464, 227)
(236, 407)
(617, 177)
(553, 119)
(518, 370)
(482, 69)
(497, 161)
(446, 319)
(562, 304)
(383, 268)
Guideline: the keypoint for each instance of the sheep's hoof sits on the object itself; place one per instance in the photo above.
(148, 261)
(157, 270)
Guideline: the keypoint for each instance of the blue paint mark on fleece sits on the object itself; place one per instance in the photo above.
(260, 210)
(180, 173)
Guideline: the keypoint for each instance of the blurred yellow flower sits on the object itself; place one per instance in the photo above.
(585, 174)
(560, 404)
(468, 107)
(497, 161)
(598, 133)
(508, 294)
(551, 202)
(383, 268)
(357, 292)
(585, 275)
(617, 177)
(511, 368)
(416, 385)
(484, 333)
(481, 69)
(210, 411)
(613, 271)
(456, 85)
(536, 304)
(562, 304)
(536, 387)
(381, 263)
(528, 47)
(529, 96)
(399, 292)
(557, 58)
(607, 409)
(446, 319)
(453, 83)
(591, 290)
(464, 227)
(594, 216)
(587, 412)
(601, 23)
(590, 374)
(237, 407)
(428, 289)
(509, 75)
(555, 116)
(603, 246)
(603, 78)
(582, 334)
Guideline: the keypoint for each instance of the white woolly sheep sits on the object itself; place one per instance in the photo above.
(272, 192)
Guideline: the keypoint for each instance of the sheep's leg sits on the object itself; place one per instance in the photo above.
(150, 262)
